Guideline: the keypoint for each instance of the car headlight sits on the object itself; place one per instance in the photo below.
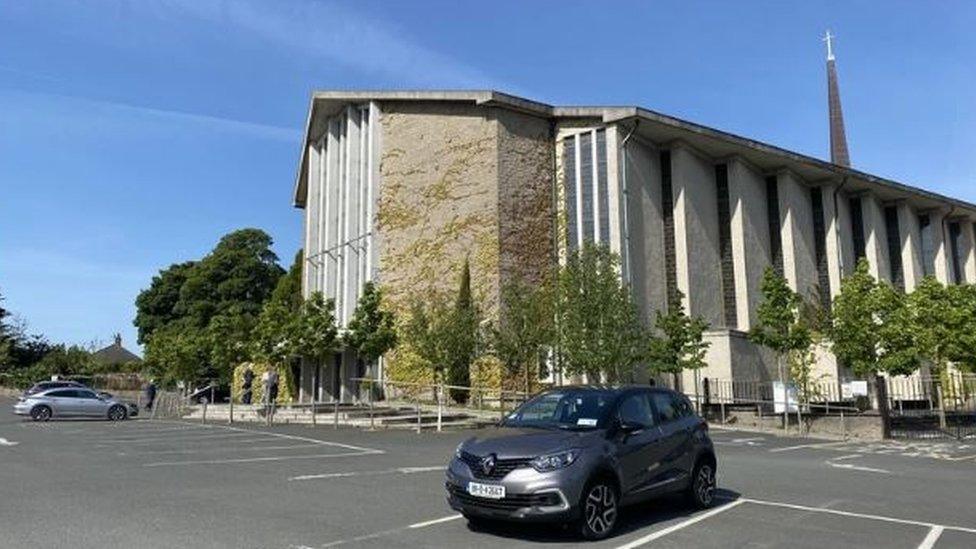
(551, 462)
(457, 451)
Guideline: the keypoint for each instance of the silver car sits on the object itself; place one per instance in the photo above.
(577, 454)
(73, 402)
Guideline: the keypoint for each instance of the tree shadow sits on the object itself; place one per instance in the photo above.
(632, 518)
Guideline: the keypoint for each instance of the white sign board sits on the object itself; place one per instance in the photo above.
(784, 398)
(852, 389)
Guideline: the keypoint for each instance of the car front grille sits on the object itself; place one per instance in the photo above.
(510, 502)
(502, 466)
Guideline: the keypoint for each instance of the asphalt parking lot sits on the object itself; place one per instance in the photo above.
(148, 483)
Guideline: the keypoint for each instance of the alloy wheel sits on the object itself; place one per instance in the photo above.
(42, 414)
(116, 414)
(705, 484)
(601, 509)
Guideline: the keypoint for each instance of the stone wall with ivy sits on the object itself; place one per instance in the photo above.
(459, 181)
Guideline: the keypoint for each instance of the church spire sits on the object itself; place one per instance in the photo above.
(838, 137)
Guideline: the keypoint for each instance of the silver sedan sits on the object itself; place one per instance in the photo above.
(73, 402)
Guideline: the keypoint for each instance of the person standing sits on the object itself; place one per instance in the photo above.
(248, 392)
(150, 394)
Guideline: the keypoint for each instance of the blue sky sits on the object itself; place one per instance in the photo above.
(134, 133)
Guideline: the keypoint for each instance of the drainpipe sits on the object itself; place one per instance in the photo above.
(623, 184)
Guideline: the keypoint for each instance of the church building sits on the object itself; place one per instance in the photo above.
(398, 187)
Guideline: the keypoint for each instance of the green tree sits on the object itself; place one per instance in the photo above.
(315, 335)
(372, 329)
(462, 338)
(426, 332)
(853, 331)
(944, 322)
(230, 284)
(174, 354)
(780, 325)
(274, 336)
(526, 331)
(599, 331)
(680, 345)
(6, 339)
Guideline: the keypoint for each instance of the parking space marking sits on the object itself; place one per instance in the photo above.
(815, 445)
(253, 460)
(684, 524)
(222, 448)
(5, 442)
(390, 532)
(933, 536)
(398, 470)
(303, 439)
(856, 515)
(851, 467)
(167, 439)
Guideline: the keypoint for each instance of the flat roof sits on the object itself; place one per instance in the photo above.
(654, 126)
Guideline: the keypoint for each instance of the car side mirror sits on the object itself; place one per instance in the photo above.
(630, 428)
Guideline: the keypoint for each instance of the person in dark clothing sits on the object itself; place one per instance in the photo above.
(248, 383)
(150, 394)
(271, 390)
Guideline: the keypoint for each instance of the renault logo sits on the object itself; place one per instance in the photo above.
(488, 463)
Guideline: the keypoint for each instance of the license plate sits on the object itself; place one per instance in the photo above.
(490, 491)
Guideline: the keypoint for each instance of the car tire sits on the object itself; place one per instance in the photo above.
(599, 509)
(41, 413)
(701, 491)
(117, 413)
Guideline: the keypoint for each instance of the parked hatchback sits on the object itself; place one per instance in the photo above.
(73, 402)
(578, 454)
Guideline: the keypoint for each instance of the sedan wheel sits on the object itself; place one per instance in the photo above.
(116, 413)
(41, 413)
(703, 485)
(599, 511)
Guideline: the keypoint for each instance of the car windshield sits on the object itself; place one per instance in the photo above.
(563, 409)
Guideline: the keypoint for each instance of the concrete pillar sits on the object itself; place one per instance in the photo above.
(911, 245)
(796, 227)
(967, 251)
(640, 164)
(875, 237)
(696, 234)
(938, 232)
(313, 220)
(836, 223)
(750, 238)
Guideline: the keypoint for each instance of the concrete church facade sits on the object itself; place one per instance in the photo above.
(399, 187)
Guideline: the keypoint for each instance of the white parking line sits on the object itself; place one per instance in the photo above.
(684, 524)
(398, 470)
(5, 442)
(933, 536)
(222, 448)
(163, 440)
(252, 460)
(390, 532)
(435, 521)
(857, 515)
(816, 445)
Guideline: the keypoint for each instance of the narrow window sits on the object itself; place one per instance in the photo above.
(772, 211)
(603, 195)
(569, 187)
(894, 247)
(928, 246)
(586, 183)
(955, 234)
(667, 211)
(820, 247)
(725, 244)
(857, 228)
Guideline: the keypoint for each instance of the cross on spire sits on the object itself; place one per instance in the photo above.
(830, 50)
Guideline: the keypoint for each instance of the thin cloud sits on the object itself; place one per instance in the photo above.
(328, 31)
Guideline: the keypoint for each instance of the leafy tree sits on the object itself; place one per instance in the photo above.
(526, 330)
(462, 338)
(853, 332)
(315, 333)
(427, 332)
(156, 306)
(599, 331)
(945, 319)
(274, 336)
(228, 287)
(371, 331)
(780, 325)
(681, 345)
(6, 341)
(175, 354)
(66, 360)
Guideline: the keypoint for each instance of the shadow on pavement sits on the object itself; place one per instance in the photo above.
(632, 518)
